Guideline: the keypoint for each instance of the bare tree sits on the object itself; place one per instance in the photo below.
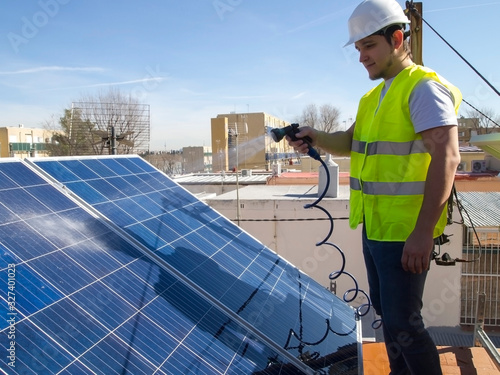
(326, 118)
(309, 116)
(114, 116)
(484, 118)
(167, 162)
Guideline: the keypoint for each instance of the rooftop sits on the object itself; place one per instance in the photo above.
(455, 360)
(457, 354)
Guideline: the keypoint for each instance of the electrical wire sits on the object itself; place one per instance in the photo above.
(416, 13)
(480, 112)
(294, 219)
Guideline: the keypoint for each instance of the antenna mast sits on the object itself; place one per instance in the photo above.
(413, 12)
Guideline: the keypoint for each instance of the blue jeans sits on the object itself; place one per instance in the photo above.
(396, 296)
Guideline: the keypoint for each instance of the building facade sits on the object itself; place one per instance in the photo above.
(241, 141)
(470, 127)
(193, 159)
(24, 142)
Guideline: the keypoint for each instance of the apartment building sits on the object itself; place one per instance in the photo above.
(23, 142)
(241, 141)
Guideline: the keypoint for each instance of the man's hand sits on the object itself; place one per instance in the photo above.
(299, 145)
(336, 143)
(417, 253)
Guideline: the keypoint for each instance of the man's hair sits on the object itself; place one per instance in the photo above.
(387, 32)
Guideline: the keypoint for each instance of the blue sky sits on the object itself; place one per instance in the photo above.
(193, 59)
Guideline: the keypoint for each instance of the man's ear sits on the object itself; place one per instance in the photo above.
(397, 38)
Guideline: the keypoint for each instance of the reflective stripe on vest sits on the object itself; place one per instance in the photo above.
(396, 148)
(389, 148)
(388, 188)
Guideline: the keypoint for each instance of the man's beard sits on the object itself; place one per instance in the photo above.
(384, 72)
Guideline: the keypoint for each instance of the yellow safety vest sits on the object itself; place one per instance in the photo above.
(389, 161)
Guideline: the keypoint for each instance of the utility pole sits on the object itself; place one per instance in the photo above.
(414, 14)
(234, 132)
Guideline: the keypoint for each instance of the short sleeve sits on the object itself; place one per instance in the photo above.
(431, 106)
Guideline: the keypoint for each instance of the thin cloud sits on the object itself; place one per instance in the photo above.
(299, 95)
(461, 7)
(246, 97)
(131, 82)
(142, 80)
(52, 69)
(193, 93)
(319, 21)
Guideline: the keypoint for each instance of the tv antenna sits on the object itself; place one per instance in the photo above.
(109, 139)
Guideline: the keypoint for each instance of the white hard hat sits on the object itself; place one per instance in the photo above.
(373, 15)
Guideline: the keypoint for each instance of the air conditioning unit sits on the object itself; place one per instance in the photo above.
(478, 166)
(461, 167)
(246, 172)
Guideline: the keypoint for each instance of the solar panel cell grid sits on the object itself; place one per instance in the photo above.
(84, 189)
(194, 294)
(185, 217)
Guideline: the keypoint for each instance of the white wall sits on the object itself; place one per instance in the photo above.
(295, 241)
(442, 291)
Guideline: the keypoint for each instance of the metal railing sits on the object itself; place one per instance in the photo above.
(481, 275)
(481, 339)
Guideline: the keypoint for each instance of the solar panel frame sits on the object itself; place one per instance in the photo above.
(166, 190)
(42, 337)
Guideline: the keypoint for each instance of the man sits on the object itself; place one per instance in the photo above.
(404, 154)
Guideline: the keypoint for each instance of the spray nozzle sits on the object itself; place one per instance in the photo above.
(279, 133)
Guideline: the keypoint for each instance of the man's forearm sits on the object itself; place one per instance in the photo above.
(438, 185)
(338, 143)
(437, 190)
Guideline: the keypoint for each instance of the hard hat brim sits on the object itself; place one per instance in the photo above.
(358, 37)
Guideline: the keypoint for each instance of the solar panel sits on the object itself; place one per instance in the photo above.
(130, 273)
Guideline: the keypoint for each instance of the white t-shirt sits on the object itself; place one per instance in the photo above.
(431, 105)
